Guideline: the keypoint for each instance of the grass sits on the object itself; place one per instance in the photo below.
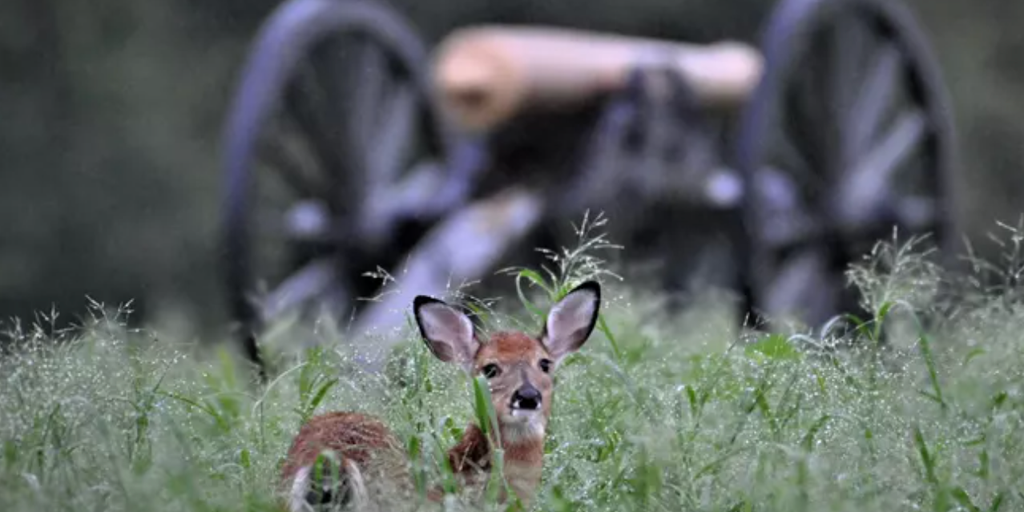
(659, 411)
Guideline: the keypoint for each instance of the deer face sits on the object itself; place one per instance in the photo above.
(518, 367)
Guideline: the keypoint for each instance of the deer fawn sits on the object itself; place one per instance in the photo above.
(519, 370)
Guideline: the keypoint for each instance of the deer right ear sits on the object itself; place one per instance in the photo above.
(448, 333)
(571, 320)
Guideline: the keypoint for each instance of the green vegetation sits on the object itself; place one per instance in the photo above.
(658, 412)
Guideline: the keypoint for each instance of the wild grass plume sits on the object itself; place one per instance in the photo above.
(658, 412)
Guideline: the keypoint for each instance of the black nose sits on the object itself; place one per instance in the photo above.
(526, 397)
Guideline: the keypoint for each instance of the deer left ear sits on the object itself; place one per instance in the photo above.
(571, 320)
(448, 333)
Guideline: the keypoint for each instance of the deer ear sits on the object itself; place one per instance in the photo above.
(571, 320)
(448, 332)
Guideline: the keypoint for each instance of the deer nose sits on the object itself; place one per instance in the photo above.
(526, 397)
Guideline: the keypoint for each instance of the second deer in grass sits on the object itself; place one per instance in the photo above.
(369, 461)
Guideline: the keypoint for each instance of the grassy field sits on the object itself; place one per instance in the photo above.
(657, 412)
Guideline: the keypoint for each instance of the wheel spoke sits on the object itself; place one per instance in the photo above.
(866, 184)
(395, 138)
(873, 99)
(302, 105)
(279, 151)
(337, 76)
(777, 190)
(802, 138)
(803, 286)
(357, 71)
(850, 38)
(313, 280)
(786, 220)
(816, 122)
(371, 65)
(786, 231)
(918, 213)
(795, 162)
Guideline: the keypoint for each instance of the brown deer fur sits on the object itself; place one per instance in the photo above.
(519, 371)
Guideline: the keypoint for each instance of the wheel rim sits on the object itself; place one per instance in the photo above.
(332, 112)
(847, 135)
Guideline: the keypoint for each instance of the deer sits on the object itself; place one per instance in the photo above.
(364, 455)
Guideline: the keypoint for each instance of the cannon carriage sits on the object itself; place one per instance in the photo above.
(351, 147)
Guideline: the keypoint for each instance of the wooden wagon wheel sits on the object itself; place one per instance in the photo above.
(848, 134)
(333, 105)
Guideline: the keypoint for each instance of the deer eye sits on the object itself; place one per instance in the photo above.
(490, 371)
(545, 365)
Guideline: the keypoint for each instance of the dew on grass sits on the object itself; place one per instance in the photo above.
(85, 419)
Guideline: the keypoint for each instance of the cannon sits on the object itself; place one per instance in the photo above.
(353, 149)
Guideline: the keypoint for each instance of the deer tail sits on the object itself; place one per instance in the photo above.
(327, 483)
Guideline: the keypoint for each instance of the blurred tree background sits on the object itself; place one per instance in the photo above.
(110, 119)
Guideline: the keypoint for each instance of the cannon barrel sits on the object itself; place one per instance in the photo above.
(485, 75)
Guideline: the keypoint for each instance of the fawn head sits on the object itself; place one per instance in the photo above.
(518, 367)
